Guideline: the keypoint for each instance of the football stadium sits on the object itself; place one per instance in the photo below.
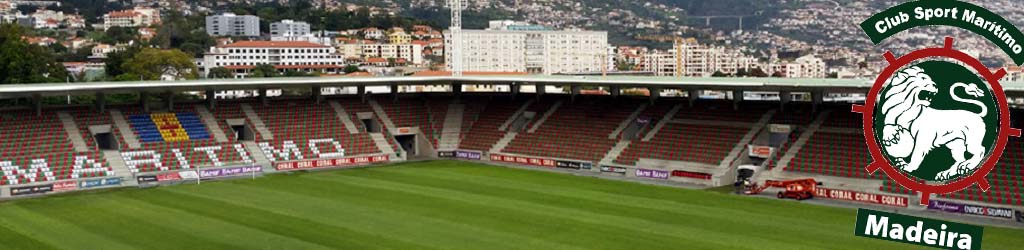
(539, 162)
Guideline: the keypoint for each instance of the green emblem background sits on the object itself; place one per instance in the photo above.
(944, 74)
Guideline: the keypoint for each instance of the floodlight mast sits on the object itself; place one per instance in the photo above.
(455, 31)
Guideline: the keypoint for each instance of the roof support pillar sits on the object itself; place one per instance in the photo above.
(615, 90)
(315, 93)
(541, 90)
(737, 99)
(817, 98)
(784, 98)
(101, 102)
(37, 104)
(361, 92)
(394, 92)
(574, 90)
(211, 99)
(513, 89)
(169, 98)
(262, 96)
(143, 97)
(457, 90)
(693, 95)
(655, 93)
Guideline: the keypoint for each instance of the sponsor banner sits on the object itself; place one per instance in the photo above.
(168, 177)
(327, 163)
(460, 154)
(916, 230)
(573, 165)
(611, 169)
(403, 131)
(37, 189)
(147, 178)
(759, 151)
(65, 186)
(471, 155)
(953, 207)
(188, 175)
(688, 174)
(227, 172)
(780, 128)
(651, 173)
(848, 195)
(524, 160)
(100, 183)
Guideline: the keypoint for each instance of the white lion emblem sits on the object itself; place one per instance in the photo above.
(913, 128)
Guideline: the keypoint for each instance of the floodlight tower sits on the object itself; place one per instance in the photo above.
(455, 30)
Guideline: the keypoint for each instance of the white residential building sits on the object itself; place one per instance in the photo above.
(696, 60)
(807, 66)
(137, 17)
(411, 53)
(229, 24)
(289, 28)
(242, 57)
(532, 51)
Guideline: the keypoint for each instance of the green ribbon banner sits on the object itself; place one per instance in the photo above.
(947, 13)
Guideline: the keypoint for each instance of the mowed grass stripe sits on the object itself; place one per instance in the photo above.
(566, 221)
(279, 222)
(16, 240)
(205, 229)
(55, 232)
(412, 219)
(723, 223)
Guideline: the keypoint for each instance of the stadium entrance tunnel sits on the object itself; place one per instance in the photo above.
(104, 138)
(408, 143)
(240, 130)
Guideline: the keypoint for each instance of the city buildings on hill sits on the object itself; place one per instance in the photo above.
(229, 24)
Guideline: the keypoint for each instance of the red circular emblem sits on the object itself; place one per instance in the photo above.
(925, 189)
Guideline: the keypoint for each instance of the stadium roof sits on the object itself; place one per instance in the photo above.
(715, 83)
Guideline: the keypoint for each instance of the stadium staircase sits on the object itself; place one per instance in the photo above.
(383, 116)
(384, 146)
(122, 125)
(257, 123)
(614, 153)
(740, 148)
(75, 135)
(801, 141)
(483, 119)
(503, 142)
(515, 116)
(344, 117)
(629, 120)
(451, 132)
(258, 156)
(113, 157)
(211, 122)
(547, 114)
(661, 123)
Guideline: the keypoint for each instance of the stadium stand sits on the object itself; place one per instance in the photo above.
(36, 148)
(304, 123)
(836, 154)
(577, 130)
(482, 130)
(685, 142)
(427, 114)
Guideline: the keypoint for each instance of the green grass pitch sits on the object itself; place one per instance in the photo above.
(432, 205)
